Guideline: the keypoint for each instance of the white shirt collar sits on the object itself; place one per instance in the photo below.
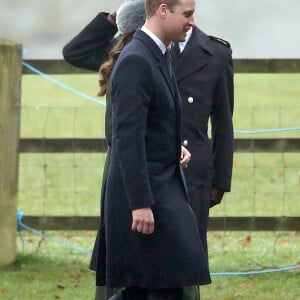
(156, 39)
(183, 44)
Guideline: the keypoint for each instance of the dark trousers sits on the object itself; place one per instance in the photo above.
(136, 293)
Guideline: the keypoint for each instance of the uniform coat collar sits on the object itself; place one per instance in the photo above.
(194, 55)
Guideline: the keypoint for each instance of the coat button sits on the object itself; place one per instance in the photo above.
(190, 99)
(185, 143)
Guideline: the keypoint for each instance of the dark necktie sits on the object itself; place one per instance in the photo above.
(176, 49)
(167, 57)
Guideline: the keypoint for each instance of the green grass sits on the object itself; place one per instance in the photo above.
(267, 101)
(41, 277)
(47, 270)
(244, 251)
(69, 184)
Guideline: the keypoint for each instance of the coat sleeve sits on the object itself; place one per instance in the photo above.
(222, 127)
(130, 96)
(91, 46)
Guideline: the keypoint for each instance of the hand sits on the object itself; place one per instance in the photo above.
(143, 220)
(185, 157)
(112, 18)
(216, 197)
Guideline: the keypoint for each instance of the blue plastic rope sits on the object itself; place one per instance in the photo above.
(21, 225)
(267, 130)
(62, 85)
(256, 272)
(102, 103)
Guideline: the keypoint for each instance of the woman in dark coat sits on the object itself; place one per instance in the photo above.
(131, 16)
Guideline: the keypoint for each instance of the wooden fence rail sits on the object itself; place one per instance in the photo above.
(58, 66)
(251, 223)
(85, 145)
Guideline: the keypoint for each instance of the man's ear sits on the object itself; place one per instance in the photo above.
(163, 10)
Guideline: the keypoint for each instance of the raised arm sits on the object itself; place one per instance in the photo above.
(91, 46)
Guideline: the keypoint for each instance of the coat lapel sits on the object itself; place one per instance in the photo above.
(158, 56)
(171, 82)
(190, 60)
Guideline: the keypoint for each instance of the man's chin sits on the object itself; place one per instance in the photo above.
(181, 38)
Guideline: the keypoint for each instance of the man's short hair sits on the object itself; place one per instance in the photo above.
(152, 5)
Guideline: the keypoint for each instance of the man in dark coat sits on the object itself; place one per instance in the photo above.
(204, 74)
(152, 242)
(205, 78)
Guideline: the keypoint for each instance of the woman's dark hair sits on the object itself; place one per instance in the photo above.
(107, 67)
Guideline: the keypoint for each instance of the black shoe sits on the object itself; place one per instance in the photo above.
(118, 295)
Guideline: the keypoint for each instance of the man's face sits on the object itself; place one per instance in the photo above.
(180, 19)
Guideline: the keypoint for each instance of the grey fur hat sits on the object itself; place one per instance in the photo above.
(130, 16)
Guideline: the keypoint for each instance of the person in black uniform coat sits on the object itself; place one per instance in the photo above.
(204, 72)
(204, 75)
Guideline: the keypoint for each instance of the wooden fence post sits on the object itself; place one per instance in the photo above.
(10, 96)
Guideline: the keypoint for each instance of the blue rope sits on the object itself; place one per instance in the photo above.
(21, 225)
(267, 130)
(19, 228)
(256, 272)
(102, 103)
(62, 85)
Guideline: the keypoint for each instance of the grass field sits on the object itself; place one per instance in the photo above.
(69, 184)
(47, 270)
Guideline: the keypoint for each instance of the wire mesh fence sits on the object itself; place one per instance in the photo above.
(265, 183)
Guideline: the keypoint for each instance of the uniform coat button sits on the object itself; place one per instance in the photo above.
(185, 143)
(190, 99)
